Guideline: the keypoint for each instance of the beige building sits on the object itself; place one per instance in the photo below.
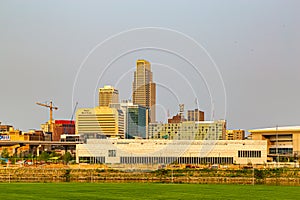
(188, 130)
(14, 135)
(283, 142)
(143, 88)
(235, 135)
(108, 95)
(105, 121)
(140, 151)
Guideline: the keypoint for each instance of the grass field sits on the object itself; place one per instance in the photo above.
(143, 191)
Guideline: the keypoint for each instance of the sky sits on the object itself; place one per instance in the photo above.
(236, 60)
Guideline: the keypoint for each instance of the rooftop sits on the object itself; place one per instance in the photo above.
(277, 129)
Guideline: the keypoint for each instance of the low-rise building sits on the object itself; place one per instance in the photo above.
(283, 142)
(59, 128)
(235, 134)
(15, 135)
(141, 151)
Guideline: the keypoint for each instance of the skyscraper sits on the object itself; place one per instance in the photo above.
(143, 88)
(108, 95)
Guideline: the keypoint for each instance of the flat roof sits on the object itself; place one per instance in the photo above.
(277, 129)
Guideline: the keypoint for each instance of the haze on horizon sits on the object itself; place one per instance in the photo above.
(255, 44)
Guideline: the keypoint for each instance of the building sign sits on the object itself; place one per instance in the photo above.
(4, 137)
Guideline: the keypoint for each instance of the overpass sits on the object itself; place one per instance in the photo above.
(37, 143)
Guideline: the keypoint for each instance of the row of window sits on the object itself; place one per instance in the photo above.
(249, 154)
(92, 160)
(179, 160)
(281, 150)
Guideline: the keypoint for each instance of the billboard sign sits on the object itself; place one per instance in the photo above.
(4, 137)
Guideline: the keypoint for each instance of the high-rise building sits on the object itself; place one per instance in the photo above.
(135, 119)
(144, 90)
(107, 95)
(195, 115)
(105, 121)
(137, 122)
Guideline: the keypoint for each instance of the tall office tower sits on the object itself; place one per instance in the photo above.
(135, 119)
(108, 95)
(104, 121)
(144, 90)
(195, 115)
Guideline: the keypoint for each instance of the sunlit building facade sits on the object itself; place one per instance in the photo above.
(108, 95)
(105, 121)
(283, 142)
(188, 130)
(235, 134)
(143, 88)
(139, 151)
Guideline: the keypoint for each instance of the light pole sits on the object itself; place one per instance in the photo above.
(253, 181)
(277, 153)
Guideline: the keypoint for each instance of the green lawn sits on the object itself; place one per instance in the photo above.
(143, 191)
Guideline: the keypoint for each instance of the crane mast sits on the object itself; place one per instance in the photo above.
(51, 108)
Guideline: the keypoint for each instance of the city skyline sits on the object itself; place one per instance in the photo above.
(43, 47)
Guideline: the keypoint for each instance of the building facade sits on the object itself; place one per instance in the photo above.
(143, 88)
(235, 134)
(108, 95)
(188, 130)
(15, 135)
(137, 122)
(105, 121)
(283, 142)
(59, 127)
(195, 115)
(116, 151)
(135, 119)
(176, 119)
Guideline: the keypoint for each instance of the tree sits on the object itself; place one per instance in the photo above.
(67, 157)
(4, 153)
(44, 156)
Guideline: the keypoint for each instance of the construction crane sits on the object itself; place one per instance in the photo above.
(51, 107)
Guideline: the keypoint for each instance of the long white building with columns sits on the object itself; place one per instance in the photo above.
(139, 151)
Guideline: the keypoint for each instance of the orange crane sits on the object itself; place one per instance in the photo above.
(51, 107)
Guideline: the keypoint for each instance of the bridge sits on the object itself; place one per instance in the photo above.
(37, 143)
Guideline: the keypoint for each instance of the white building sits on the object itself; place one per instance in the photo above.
(169, 151)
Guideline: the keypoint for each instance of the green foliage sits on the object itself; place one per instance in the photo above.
(44, 156)
(259, 174)
(67, 175)
(4, 153)
(67, 157)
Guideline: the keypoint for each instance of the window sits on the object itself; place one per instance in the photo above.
(281, 150)
(249, 154)
(112, 153)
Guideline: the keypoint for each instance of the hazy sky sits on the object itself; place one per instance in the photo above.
(255, 45)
